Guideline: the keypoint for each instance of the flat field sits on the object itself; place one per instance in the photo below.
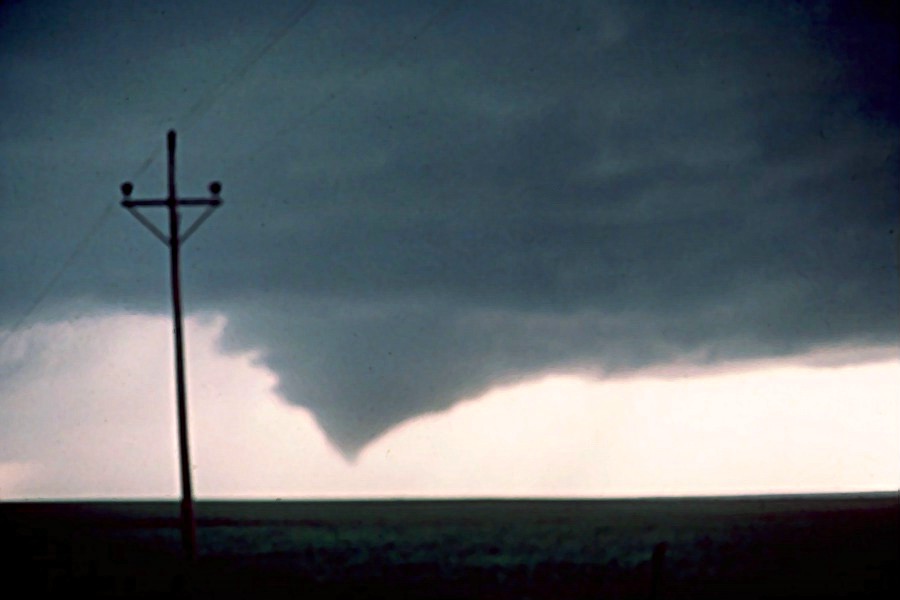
(751, 547)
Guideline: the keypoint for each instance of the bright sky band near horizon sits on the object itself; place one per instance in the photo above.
(755, 429)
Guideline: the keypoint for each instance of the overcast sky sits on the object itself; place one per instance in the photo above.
(427, 200)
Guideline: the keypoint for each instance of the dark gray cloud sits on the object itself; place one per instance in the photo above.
(428, 199)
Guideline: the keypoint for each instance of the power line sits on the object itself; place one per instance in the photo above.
(193, 114)
(207, 100)
(85, 241)
(437, 17)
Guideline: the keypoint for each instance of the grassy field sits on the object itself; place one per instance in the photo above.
(765, 547)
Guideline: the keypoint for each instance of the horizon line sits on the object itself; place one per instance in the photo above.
(361, 499)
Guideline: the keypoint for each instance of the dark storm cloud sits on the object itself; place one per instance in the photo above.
(422, 207)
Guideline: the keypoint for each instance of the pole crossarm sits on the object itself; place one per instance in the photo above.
(174, 240)
(136, 203)
(211, 203)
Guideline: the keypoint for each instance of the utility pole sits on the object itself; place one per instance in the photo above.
(174, 240)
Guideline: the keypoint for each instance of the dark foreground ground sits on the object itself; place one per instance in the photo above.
(786, 547)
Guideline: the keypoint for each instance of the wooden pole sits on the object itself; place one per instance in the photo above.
(174, 241)
(188, 523)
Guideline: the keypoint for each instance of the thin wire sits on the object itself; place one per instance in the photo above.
(85, 241)
(438, 16)
(208, 100)
(194, 114)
